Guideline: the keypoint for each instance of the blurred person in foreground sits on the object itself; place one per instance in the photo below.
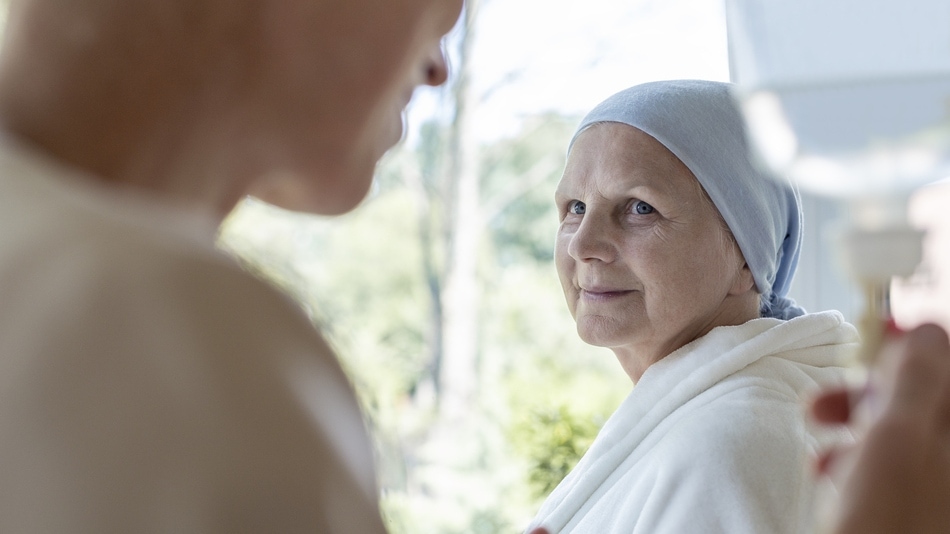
(897, 478)
(677, 254)
(149, 384)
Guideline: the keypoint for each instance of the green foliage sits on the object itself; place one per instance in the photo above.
(520, 176)
(554, 439)
(487, 522)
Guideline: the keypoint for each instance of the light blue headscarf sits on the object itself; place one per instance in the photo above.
(699, 122)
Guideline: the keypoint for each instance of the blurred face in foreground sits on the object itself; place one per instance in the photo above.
(209, 100)
(644, 260)
(335, 79)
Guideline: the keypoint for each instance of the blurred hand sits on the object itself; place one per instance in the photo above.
(896, 479)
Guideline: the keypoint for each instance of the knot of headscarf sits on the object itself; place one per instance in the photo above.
(699, 122)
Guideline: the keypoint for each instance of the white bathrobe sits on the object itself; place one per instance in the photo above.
(713, 438)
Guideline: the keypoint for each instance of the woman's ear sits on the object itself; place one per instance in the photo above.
(743, 281)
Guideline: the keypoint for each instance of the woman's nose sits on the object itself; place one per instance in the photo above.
(436, 66)
(592, 241)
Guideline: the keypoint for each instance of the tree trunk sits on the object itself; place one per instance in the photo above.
(458, 370)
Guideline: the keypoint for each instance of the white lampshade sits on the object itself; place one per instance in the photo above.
(846, 97)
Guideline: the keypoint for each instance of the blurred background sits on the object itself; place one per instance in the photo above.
(439, 293)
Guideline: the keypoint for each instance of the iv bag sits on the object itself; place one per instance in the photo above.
(845, 97)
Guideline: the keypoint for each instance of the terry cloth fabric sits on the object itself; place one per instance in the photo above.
(713, 439)
(699, 122)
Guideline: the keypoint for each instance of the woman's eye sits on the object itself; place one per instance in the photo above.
(642, 208)
(577, 207)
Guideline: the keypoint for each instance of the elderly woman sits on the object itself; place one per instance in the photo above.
(677, 254)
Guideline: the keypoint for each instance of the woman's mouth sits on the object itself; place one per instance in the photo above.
(602, 294)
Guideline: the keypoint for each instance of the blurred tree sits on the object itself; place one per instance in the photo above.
(457, 365)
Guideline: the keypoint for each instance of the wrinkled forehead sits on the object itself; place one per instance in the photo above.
(616, 156)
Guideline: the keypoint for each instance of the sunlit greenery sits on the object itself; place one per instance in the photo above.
(553, 439)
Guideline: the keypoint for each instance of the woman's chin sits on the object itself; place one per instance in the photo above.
(594, 332)
(320, 197)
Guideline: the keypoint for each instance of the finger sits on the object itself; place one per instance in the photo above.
(830, 460)
(824, 461)
(540, 530)
(921, 374)
(832, 406)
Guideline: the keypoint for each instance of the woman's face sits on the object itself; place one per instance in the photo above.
(644, 262)
(336, 78)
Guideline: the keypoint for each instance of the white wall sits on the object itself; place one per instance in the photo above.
(820, 284)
